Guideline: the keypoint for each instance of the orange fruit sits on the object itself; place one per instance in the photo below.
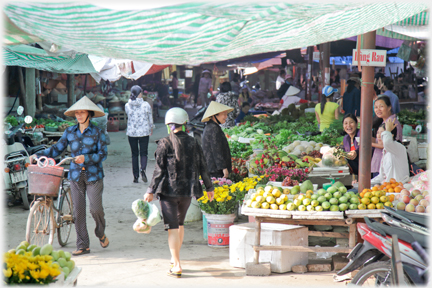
(385, 183)
(365, 201)
(397, 189)
(391, 197)
(400, 184)
(368, 195)
(392, 180)
(381, 187)
(362, 194)
(371, 206)
(385, 190)
(393, 185)
(391, 190)
(375, 188)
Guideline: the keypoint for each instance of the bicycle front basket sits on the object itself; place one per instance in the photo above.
(44, 180)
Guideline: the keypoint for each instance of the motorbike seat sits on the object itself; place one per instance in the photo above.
(422, 220)
(34, 149)
(403, 234)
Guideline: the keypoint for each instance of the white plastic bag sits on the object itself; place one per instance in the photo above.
(154, 216)
(141, 209)
(140, 226)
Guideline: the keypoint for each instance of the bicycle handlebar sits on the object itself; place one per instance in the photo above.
(44, 161)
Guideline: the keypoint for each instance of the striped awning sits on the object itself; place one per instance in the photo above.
(31, 57)
(194, 33)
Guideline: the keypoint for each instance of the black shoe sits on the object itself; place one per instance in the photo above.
(143, 176)
(135, 180)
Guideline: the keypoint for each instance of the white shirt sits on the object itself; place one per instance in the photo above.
(394, 163)
(140, 118)
(279, 82)
(287, 100)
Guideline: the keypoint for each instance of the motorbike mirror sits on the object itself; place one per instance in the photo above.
(28, 119)
(20, 110)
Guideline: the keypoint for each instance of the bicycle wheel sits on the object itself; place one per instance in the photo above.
(64, 217)
(40, 224)
(376, 274)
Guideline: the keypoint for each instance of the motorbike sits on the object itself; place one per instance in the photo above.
(16, 161)
(376, 254)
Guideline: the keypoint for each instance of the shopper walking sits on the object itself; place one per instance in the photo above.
(139, 130)
(204, 87)
(227, 97)
(88, 147)
(174, 86)
(214, 142)
(179, 164)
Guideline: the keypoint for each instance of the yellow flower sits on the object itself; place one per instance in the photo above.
(204, 201)
(225, 186)
(229, 197)
(44, 273)
(219, 199)
(7, 273)
(35, 274)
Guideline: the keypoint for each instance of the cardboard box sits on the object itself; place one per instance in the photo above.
(242, 238)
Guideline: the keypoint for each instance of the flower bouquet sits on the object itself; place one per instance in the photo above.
(226, 196)
(28, 269)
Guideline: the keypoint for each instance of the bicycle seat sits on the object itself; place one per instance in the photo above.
(420, 219)
(403, 234)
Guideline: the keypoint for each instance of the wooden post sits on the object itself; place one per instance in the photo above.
(30, 101)
(38, 96)
(366, 117)
(309, 74)
(257, 238)
(70, 85)
(22, 94)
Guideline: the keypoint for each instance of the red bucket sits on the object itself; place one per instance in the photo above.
(44, 181)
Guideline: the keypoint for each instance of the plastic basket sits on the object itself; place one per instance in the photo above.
(44, 180)
(51, 129)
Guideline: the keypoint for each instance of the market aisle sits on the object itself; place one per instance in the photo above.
(137, 259)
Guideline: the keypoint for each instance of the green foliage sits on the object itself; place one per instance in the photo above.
(411, 117)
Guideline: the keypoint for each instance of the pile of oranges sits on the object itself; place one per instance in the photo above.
(376, 198)
(391, 187)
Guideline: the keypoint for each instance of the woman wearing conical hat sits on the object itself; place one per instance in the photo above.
(215, 145)
(88, 147)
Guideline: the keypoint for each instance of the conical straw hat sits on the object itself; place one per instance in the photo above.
(292, 91)
(215, 108)
(84, 104)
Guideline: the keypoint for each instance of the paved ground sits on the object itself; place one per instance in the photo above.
(143, 259)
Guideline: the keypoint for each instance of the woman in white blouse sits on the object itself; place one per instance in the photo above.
(394, 162)
(139, 130)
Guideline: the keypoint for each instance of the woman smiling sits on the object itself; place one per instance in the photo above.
(350, 143)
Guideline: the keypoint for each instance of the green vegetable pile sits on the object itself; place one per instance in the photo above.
(11, 120)
(411, 117)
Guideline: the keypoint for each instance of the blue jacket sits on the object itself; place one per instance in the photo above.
(91, 143)
(351, 102)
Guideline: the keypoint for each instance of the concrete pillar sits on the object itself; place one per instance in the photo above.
(366, 116)
(30, 83)
(70, 85)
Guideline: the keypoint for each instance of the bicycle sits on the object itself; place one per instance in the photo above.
(47, 182)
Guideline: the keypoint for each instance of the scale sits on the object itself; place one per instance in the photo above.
(331, 173)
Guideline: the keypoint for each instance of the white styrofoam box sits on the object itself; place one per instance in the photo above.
(422, 150)
(62, 98)
(242, 240)
(413, 151)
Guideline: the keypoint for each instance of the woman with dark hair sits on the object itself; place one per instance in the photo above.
(351, 99)
(228, 98)
(174, 85)
(350, 144)
(195, 89)
(214, 142)
(235, 84)
(383, 112)
(204, 88)
(387, 89)
(245, 96)
(394, 155)
(89, 149)
(139, 129)
(326, 111)
(179, 164)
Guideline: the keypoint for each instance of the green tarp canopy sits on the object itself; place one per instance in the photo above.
(31, 57)
(194, 33)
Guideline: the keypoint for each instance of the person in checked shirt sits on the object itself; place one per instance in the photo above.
(88, 147)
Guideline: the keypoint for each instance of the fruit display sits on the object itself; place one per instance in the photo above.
(59, 259)
(375, 199)
(414, 201)
(335, 198)
(299, 147)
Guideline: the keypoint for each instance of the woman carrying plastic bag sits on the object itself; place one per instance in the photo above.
(179, 163)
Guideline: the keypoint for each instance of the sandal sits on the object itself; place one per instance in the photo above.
(81, 251)
(174, 274)
(104, 241)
